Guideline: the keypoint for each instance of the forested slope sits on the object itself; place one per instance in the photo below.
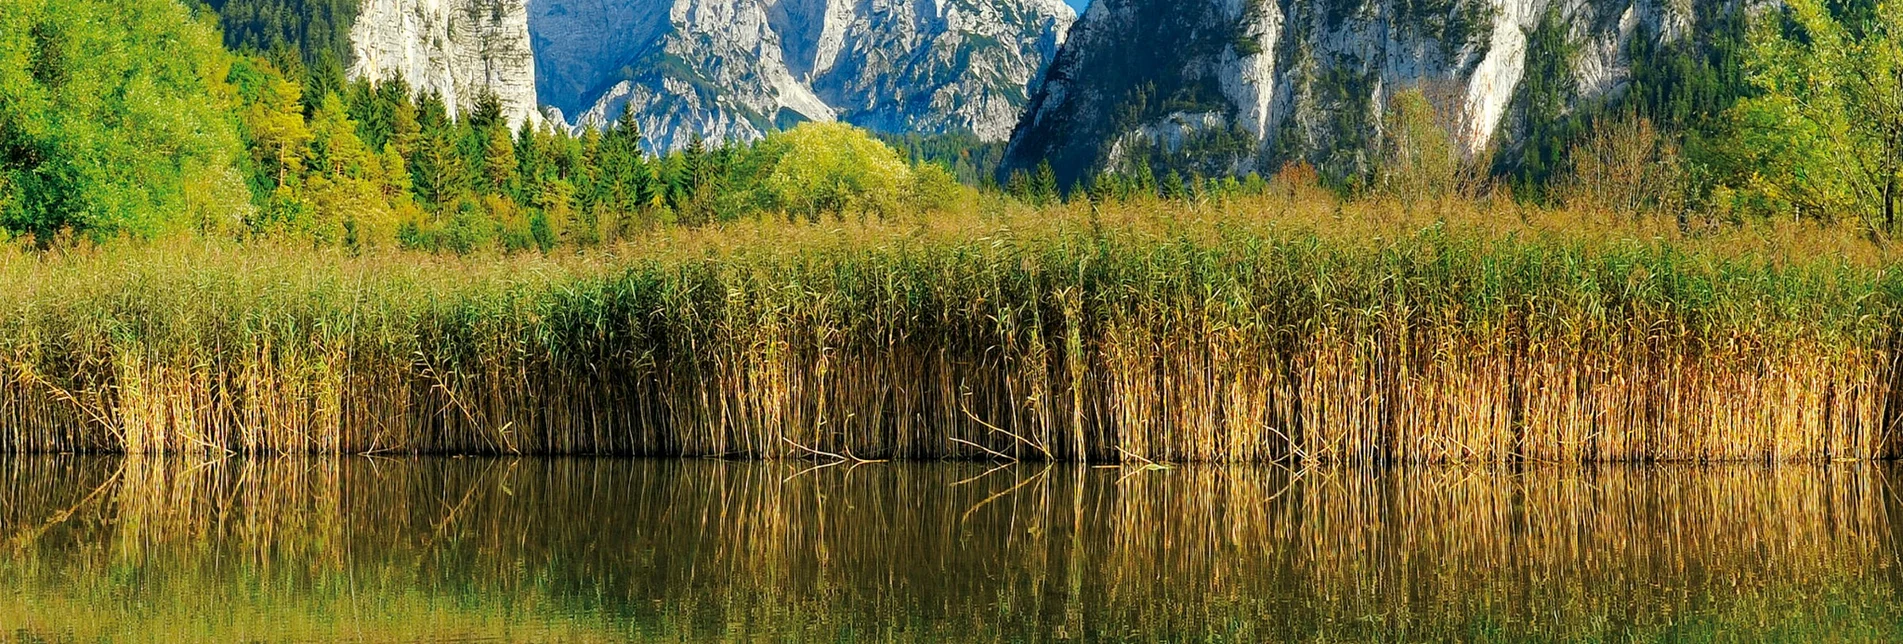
(115, 118)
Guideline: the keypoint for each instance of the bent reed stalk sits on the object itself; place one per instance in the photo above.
(1282, 328)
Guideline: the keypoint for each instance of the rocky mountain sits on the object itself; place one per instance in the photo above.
(736, 69)
(455, 48)
(1242, 85)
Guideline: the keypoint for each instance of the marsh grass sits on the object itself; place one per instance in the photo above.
(1290, 326)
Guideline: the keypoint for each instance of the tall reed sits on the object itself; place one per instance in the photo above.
(1287, 327)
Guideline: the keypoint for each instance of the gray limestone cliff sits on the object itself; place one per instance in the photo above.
(458, 49)
(1279, 80)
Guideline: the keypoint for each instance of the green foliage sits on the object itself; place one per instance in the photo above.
(498, 156)
(1823, 136)
(415, 174)
(272, 115)
(311, 35)
(1418, 156)
(354, 194)
(1687, 84)
(1044, 185)
(1684, 86)
(114, 119)
(934, 188)
(973, 161)
(1038, 188)
(1541, 117)
(831, 168)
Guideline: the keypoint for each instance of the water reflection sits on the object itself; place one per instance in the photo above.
(585, 550)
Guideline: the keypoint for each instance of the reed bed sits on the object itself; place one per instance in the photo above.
(1290, 327)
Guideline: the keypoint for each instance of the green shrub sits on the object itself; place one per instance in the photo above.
(114, 119)
(935, 188)
(832, 168)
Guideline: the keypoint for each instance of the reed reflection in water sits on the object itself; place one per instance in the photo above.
(586, 550)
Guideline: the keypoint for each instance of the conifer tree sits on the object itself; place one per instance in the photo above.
(487, 112)
(499, 162)
(1043, 188)
(1173, 187)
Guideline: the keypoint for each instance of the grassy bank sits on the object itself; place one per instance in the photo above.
(1289, 326)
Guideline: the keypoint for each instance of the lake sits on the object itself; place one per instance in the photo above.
(607, 550)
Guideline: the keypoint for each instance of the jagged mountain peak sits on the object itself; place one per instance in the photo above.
(1262, 82)
(735, 69)
(722, 69)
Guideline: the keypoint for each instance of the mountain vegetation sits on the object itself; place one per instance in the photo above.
(1794, 112)
(115, 118)
(163, 131)
(146, 125)
(211, 252)
(316, 32)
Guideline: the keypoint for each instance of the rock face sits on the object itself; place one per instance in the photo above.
(736, 69)
(456, 48)
(1295, 79)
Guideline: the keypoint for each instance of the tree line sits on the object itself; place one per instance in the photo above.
(148, 125)
(136, 118)
(1796, 111)
(377, 164)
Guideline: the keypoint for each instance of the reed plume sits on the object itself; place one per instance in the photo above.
(1290, 327)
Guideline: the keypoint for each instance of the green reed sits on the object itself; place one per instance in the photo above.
(1269, 329)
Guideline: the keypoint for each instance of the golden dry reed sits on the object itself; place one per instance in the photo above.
(1290, 327)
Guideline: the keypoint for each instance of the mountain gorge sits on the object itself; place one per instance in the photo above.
(735, 69)
(722, 69)
(1205, 86)
(1232, 86)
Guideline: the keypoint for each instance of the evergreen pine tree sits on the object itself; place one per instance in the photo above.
(487, 112)
(499, 162)
(1044, 189)
(1173, 187)
(1145, 180)
(1018, 185)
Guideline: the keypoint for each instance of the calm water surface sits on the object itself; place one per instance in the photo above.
(608, 550)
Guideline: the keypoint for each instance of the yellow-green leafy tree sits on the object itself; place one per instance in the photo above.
(1822, 136)
(115, 120)
(350, 189)
(277, 139)
(832, 168)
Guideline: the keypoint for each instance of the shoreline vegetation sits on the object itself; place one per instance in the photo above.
(1290, 326)
(212, 250)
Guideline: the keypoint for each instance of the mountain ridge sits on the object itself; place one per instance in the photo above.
(1244, 85)
(735, 69)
